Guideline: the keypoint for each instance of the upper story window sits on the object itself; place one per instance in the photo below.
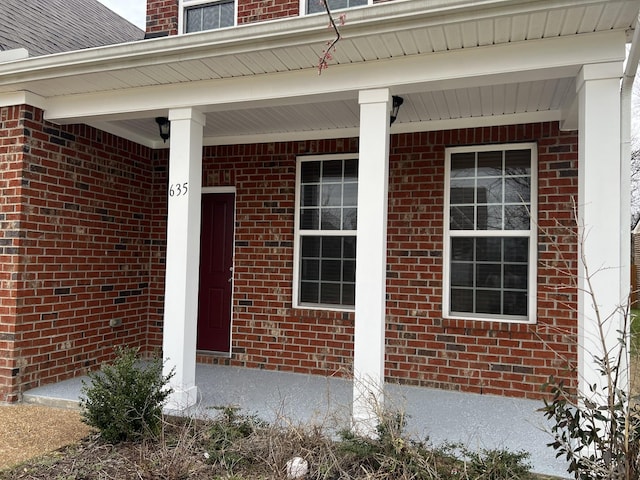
(325, 231)
(490, 233)
(316, 6)
(199, 15)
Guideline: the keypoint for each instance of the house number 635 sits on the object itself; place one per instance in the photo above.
(178, 189)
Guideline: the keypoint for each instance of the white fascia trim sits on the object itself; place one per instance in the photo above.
(22, 98)
(549, 58)
(290, 31)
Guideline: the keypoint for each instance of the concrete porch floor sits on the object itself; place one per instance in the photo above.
(478, 421)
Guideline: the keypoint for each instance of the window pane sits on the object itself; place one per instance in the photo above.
(489, 275)
(350, 219)
(330, 293)
(210, 17)
(315, 6)
(489, 164)
(349, 247)
(489, 190)
(489, 217)
(310, 172)
(516, 217)
(331, 195)
(488, 301)
(349, 294)
(517, 190)
(463, 165)
(309, 219)
(311, 247)
(310, 269)
(310, 195)
(332, 171)
(461, 218)
(462, 274)
(331, 247)
(516, 249)
(330, 219)
(515, 303)
(515, 276)
(331, 270)
(194, 20)
(350, 195)
(461, 300)
(226, 14)
(518, 162)
(309, 292)
(462, 248)
(462, 191)
(488, 249)
(349, 271)
(351, 170)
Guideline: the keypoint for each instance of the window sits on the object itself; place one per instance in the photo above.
(316, 6)
(325, 228)
(199, 16)
(490, 238)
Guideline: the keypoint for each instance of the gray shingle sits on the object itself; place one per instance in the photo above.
(53, 26)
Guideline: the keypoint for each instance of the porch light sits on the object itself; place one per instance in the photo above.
(164, 125)
(397, 101)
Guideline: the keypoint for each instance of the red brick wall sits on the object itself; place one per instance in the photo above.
(77, 252)
(422, 347)
(162, 15)
(86, 244)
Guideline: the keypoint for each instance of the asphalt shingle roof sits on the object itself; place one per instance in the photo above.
(53, 26)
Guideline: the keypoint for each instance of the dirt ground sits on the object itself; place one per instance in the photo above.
(28, 431)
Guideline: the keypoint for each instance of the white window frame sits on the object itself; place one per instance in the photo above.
(184, 4)
(303, 8)
(297, 242)
(531, 234)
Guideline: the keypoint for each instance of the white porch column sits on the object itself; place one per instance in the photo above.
(183, 254)
(371, 258)
(600, 219)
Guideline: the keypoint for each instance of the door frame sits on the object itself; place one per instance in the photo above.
(214, 190)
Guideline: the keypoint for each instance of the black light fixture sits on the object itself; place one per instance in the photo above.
(164, 125)
(396, 102)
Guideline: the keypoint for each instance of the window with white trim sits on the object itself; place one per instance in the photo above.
(490, 232)
(199, 15)
(325, 232)
(316, 6)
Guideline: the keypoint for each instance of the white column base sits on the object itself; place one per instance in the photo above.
(368, 405)
(181, 399)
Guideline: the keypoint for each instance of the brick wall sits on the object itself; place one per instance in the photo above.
(82, 244)
(422, 347)
(162, 15)
(75, 251)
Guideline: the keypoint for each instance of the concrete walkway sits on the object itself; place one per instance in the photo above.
(478, 421)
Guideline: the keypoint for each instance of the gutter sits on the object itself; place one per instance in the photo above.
(626, 92)
(300, 31)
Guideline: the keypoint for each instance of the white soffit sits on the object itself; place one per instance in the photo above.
(260, 81)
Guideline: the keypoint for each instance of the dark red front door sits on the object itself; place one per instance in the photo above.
(216, 272)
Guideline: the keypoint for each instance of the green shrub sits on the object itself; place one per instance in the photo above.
(124, 399)
(498, 465)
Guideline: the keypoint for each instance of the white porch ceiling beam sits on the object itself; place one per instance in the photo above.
(546, 58)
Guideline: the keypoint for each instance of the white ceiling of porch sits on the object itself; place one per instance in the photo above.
(400, 31)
